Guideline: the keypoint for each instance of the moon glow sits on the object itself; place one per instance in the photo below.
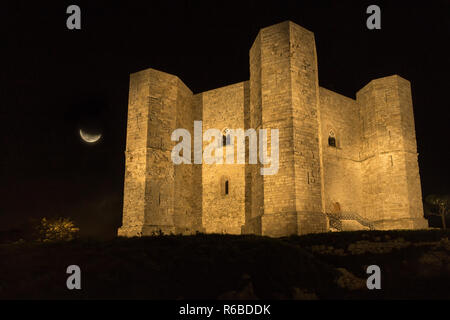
(89, 138)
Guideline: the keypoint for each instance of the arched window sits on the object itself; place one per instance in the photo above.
(332, 139)
(226, 138)
(226, 187)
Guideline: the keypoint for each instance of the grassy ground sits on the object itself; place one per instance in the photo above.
(414, 264)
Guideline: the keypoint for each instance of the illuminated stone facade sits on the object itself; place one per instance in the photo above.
(344, 164)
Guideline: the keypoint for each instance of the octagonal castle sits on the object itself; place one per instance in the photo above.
(344, 164)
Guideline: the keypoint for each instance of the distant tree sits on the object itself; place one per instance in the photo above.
(439, 205)
(56, 229)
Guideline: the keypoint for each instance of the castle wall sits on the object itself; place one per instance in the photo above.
(254, 180)
(342, 168)
(224, 213)
(306, 129)
(135, 156)
(197, 169)
(284, 86)
(249, 169)
(158, 194)
(410, 156)
(187, 193)
(391, 184)
(160, 171)
(273, 85)
(277, 113)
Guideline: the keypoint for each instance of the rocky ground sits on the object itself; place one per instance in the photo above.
(413, 264)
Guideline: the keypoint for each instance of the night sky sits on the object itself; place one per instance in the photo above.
(55, 81)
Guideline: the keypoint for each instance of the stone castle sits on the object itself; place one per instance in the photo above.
(344, 164)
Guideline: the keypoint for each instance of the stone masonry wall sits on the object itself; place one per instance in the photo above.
(254, 180)
(390, 184)
(307, 135)
(135, 156)
(223, 108)
(372, 171)
(342, 168)
(187, 213)
(276, 104)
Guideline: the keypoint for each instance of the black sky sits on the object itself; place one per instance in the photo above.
(54, 80)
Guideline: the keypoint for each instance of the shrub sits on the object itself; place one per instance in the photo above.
(57, 229)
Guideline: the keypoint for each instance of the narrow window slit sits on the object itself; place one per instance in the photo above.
(332, 139)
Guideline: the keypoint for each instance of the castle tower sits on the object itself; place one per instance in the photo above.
(158, 196)
(284, 96)
(391, 192)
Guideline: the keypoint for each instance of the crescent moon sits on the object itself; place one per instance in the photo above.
(90, 138)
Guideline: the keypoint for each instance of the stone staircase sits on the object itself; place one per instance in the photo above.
(341, 221)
